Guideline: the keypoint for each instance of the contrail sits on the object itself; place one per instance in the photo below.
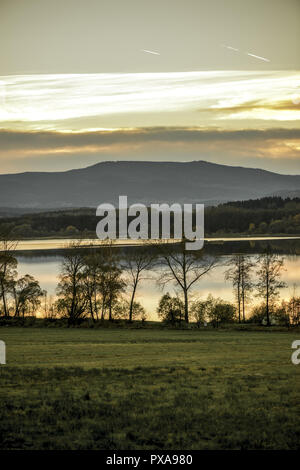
(150, 52)
(258, 57)
(230, 47)
(248, 53)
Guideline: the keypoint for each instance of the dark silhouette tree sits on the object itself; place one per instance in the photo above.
(72, 300)
(239, 273)
(170, 309)
(8, 265)
(138, 261)
(184, 268)
(27, 295)
(269, 283)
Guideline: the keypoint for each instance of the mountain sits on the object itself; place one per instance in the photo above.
(146, 182)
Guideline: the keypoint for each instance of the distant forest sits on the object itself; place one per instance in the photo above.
(269, 215)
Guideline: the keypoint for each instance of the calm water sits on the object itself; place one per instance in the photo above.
(60, 243)
(46, 267)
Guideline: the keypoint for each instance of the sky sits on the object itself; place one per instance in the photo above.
(95, 80)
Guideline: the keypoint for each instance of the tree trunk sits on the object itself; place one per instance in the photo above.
(91, 309)
(4, 304)
(4, 299)
(131, 302)
(110, 309)
(239, 303)
(95, 304)
(267, 302)
(186, 306)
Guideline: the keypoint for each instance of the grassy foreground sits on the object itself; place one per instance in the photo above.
(148, 389)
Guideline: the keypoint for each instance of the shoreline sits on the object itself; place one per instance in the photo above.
(46, 244)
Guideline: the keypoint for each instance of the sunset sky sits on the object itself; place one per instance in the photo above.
(87, 81)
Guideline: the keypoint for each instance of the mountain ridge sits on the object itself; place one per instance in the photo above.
(143, 181)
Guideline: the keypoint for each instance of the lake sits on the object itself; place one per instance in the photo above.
(41, 259)
(61, 243)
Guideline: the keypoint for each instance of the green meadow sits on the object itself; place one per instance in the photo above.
(149, 389)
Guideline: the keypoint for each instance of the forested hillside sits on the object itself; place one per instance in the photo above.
(270, 215)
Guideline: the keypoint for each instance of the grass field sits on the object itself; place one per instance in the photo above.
(148, 389)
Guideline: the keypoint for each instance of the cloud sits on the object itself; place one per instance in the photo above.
(271, 149)
(43, 140)
(75, 101)
(47, 119)
(249, 106)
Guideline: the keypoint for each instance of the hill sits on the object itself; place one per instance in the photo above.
(146, 182)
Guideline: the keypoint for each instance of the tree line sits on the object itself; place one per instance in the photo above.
(102, 284)
(270, 215)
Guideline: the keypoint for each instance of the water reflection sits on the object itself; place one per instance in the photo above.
(61, 243)
(45, 267)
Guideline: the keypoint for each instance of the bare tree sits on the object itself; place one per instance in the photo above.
(269, 283)
(247, 283)
(138, 261)
(234, 274)
(184, 268)
(239, 274)
(49, 310)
